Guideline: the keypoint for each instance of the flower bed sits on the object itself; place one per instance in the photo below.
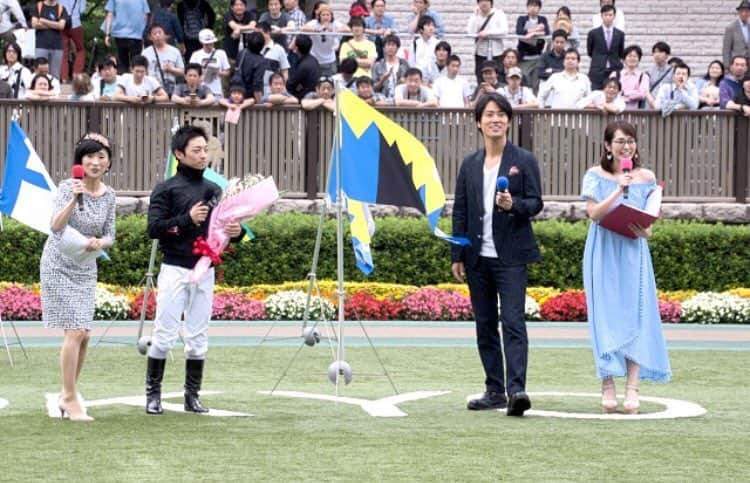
(381, 301)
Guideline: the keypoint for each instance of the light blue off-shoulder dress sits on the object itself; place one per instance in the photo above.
(623, 307)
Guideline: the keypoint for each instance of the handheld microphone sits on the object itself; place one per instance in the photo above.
(626, 165)
(78, 173)
(502, 183)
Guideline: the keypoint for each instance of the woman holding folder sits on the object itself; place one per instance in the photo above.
(618, 275)
(68, 281)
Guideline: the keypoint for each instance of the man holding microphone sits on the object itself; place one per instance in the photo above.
(177, 216)
(497, 193)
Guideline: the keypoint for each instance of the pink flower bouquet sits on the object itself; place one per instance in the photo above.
(241, 200)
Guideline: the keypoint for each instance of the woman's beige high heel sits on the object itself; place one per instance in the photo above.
(82, 417)
(631, 406)
(608, 405)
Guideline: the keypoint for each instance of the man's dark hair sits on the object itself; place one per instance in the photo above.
(166, 3)
(608, 8)
(453, 58)
(538, 3)
(492, 4)
(499, 101)
(275, 75)
(673, 61)
(195, 67)
(738, 57)
(392, 39)
(372, 3)
(682, 65)
(304, 44)
(662, 47)
(154, 26)
(424, 20)
(559, 33)
(265, 27)
(184, 135)
(348, 65)
(615, 81)
(356, 22)
(139, 61)
(573, 51)
(633, 48)
(254, 42)
(363, 80)
(40, 61)
(413, 71)
(443, 45)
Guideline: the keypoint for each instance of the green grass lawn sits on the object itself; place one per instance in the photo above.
(292, 439)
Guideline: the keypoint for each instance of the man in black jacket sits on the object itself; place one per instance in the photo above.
(551, 61)
(305, 74)
(606, 47)
(177, 217)
(498, 224)
(251, 66)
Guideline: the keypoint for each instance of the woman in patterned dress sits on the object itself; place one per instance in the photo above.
(68, 287)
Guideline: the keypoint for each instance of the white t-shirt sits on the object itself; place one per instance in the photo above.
(168, 56)
(451, 92)
(424, 95)
(149, 85)
(10, 75)
(324, 46)
(489, 187)
(218, 63)
(599, 98)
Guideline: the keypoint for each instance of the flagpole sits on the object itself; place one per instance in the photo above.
(339, 236)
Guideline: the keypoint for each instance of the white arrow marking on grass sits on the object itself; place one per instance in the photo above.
(674, 408)
(379, 408)
(3, 403)
(53, 410)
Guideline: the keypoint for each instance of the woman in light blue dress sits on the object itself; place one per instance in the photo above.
(618, 276)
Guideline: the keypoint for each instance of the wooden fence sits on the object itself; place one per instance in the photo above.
(701, 155)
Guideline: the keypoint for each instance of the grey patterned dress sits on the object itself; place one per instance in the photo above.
(68, 289)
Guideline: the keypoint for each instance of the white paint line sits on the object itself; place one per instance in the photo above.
(674, 408)
(53, 410)
(3, 403)
(379, 408)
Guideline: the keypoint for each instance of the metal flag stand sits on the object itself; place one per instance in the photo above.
(14, 117)
(339, 368)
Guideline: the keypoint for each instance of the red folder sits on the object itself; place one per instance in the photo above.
(619, 218)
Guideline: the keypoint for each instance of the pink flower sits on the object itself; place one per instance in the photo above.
(513, 171)
(18, 303)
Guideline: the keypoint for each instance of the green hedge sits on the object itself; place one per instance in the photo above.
(686, 255)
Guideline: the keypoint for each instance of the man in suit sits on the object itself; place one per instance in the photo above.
(498, 224)
(606, 47)
(737, 34)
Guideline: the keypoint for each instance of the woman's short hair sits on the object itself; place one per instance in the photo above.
(37, 78)
(15, 47)
(708, 71)
(500, 101)
(633, 48)
(91, 143)
(626, 128)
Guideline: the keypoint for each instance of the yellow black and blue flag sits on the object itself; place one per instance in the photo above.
(382, 163)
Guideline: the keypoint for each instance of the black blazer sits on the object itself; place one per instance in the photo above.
(511, 230)
(596, 47)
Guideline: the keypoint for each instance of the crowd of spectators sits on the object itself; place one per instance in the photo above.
(282, 57)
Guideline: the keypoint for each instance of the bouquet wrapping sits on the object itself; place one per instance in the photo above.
(241, 200)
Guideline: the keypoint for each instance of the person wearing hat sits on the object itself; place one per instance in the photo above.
(741, 102)
(737, 34)
(325, 46)
(214, 62)
(490, 82)
(519, 96)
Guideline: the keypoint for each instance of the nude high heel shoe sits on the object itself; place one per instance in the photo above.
(608, 405)
(82, 417)
(631, 406)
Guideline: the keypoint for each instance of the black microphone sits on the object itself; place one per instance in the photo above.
(78, 173)
(626, 164)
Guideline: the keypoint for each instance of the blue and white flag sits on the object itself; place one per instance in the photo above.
(28, 192)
